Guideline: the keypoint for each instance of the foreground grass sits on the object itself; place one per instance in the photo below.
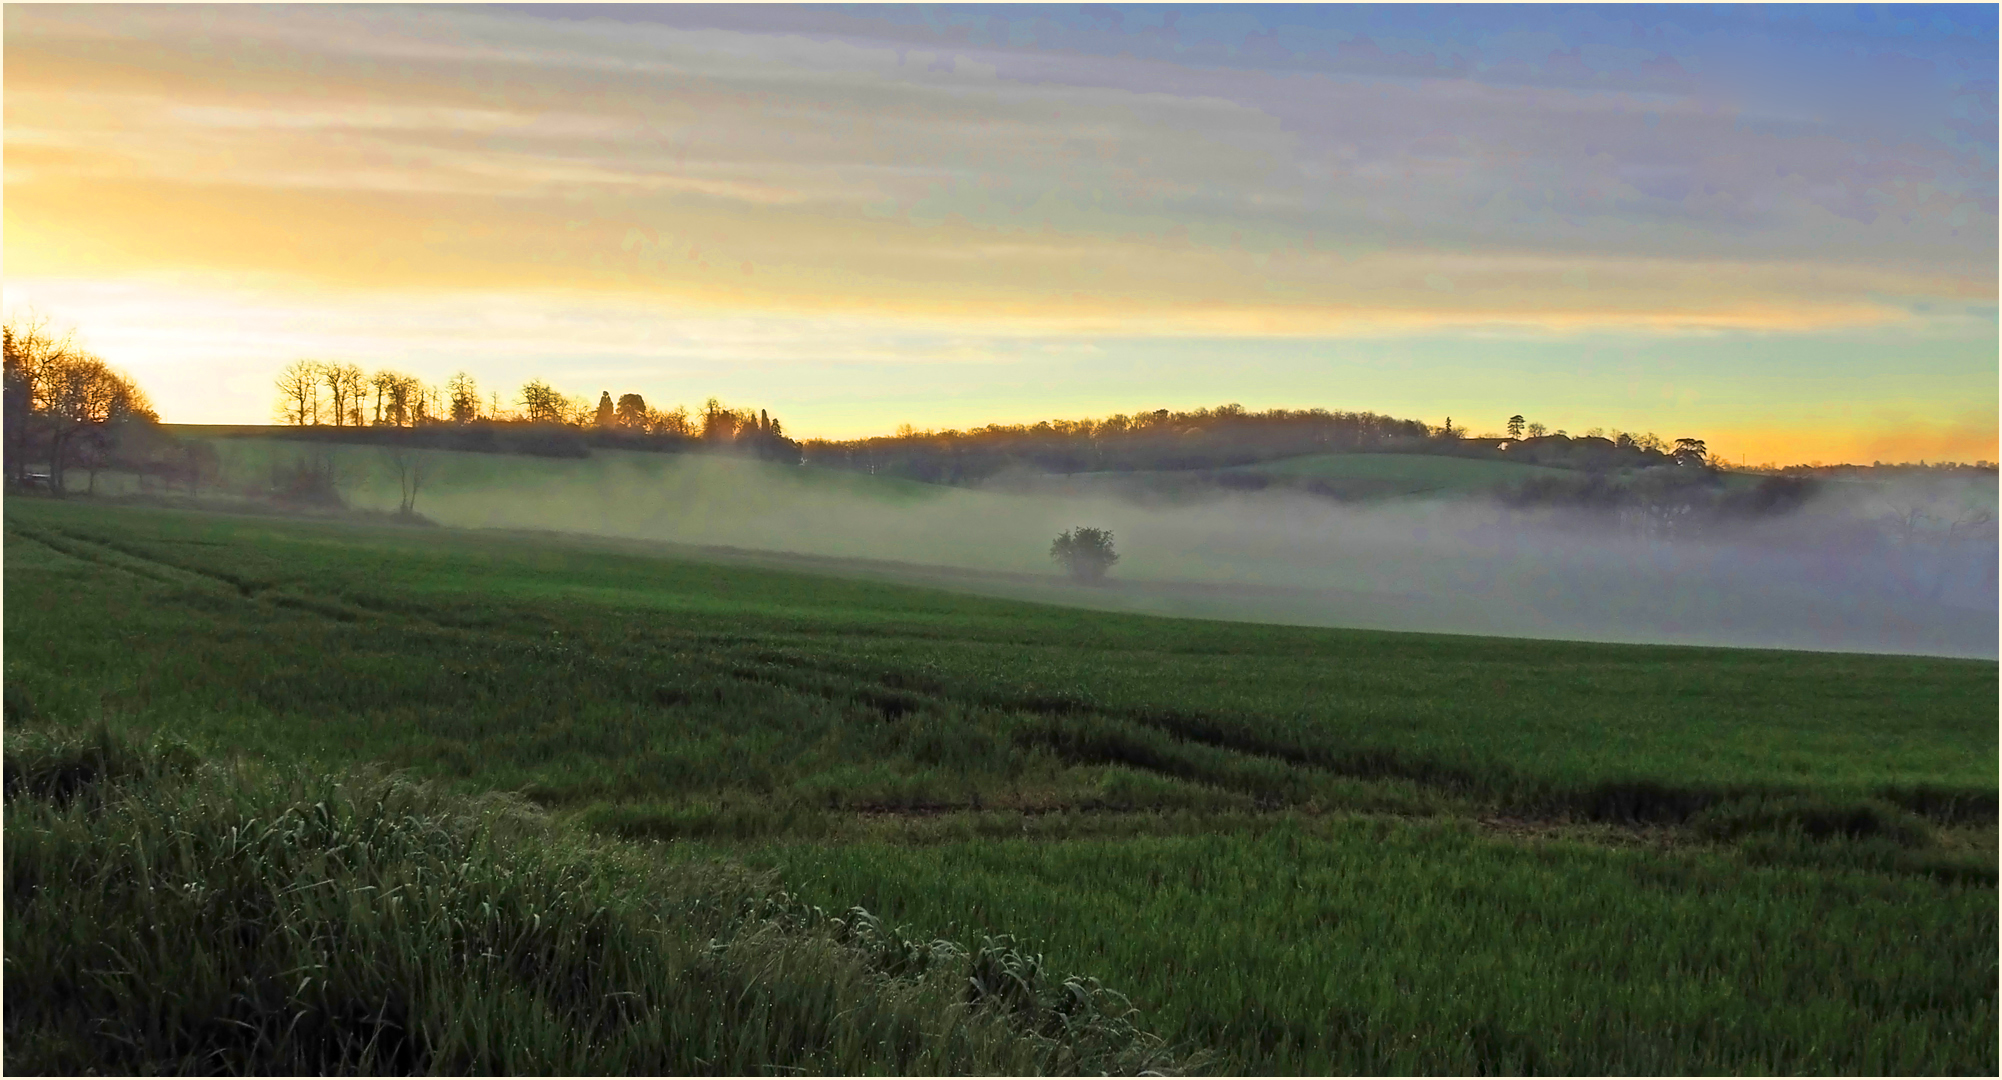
(1742, 861)
(1382, 948)
(166, 915)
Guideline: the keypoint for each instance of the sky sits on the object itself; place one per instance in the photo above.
(1771, 228)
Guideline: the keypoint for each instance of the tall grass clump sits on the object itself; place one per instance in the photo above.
(169, 915)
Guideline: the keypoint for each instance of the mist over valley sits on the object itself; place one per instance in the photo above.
(1892, 565)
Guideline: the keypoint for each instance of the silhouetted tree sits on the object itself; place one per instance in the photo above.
(674, 421)
(541, 404)
(1690, 452)
(719, 424)
(396, 398)
(353, 392)
(390, 392)
(631, 412)
(82, 397)
(335, 378)
(299, 393)
(1515, 426)
(465, 401)
(32, 351)
(412, 465)
(1085, 552)
(606, 411)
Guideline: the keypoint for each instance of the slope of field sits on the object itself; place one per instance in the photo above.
(1638, 859)
(1276, 555)
(1353, 478)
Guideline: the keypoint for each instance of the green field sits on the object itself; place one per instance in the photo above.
(1296, 850)
(1444, 563)
(1349, 477)
(247, 460)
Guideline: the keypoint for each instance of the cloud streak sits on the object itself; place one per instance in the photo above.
(1259, 175)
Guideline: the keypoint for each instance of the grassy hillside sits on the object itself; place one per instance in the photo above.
(1274, 555)
(1354, 478)
(367, 475)
(1391, 475)
(1637, 859)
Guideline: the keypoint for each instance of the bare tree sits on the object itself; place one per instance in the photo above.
(337, 392)
(672, 422)
(391, 392)
(398, 407)
(401, 400)
(412, 465)
(346, 385)
(465, 401)
(542, 404)
(427, 404)
(299, 393)
(83, 395)
(357, 395)
(32, 348)
(378, 385)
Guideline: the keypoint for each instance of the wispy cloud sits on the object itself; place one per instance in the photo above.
(1261, 174)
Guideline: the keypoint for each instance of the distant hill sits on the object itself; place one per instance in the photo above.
(1351, 477)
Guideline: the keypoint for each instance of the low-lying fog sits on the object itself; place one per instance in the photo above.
(1904, 567)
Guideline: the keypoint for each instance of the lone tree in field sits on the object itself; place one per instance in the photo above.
(1085, 552)
(1515, 426)
(412, 465)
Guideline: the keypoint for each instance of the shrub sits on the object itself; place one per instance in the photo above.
(1085, 552)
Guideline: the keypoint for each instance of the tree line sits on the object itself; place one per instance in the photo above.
(1161, 439)
(342, 402)
(67, 409)
(1220, 438)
